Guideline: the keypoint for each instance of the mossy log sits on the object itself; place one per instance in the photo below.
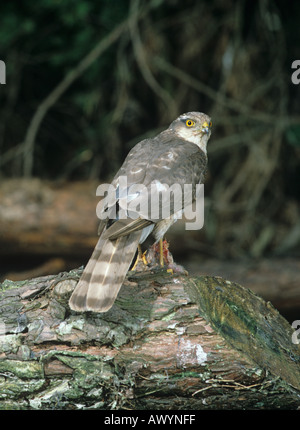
(169, 342)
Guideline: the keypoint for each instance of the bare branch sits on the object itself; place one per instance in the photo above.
(224, 100)
(142, 60)
(53, 97)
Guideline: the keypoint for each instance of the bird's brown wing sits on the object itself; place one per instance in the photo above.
(124, 227)
(162, 161)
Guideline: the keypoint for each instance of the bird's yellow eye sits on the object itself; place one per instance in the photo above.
(210, 124)
(189, 123)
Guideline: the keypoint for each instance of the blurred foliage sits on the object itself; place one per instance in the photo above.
(227, 58)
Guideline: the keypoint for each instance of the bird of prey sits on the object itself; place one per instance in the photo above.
(177, 155)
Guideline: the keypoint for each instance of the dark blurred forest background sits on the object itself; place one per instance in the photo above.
(86, 80)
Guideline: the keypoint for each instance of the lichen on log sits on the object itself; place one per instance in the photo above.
(169, 342)
(250, 325)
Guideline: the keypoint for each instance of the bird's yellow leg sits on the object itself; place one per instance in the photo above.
(140, 256)
(144, 259)
(161, 253)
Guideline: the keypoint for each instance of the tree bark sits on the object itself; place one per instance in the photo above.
(169, 342)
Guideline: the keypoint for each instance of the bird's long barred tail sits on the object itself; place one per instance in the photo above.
(104, 274)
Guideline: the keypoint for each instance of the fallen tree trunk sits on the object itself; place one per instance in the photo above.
(47, 218)
(169, 342)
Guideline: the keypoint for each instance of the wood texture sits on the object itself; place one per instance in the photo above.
(169, 342)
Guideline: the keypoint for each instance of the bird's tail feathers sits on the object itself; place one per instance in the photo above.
(104, 274)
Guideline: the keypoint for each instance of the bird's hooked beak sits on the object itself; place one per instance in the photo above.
(206, 128)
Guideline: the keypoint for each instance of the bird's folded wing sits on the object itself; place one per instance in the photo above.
(124, 227)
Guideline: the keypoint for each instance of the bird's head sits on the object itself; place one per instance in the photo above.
(194, 127)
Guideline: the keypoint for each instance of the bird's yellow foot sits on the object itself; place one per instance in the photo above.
(161, 253)
(144, 259)
(140, 257)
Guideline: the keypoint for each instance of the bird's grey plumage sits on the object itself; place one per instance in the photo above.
(175, 156)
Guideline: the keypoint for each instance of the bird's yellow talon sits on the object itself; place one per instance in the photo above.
(161, 253)
(135, 264)
(144, 259)
(140, 256)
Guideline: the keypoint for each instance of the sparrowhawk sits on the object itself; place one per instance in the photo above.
(177, 155)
